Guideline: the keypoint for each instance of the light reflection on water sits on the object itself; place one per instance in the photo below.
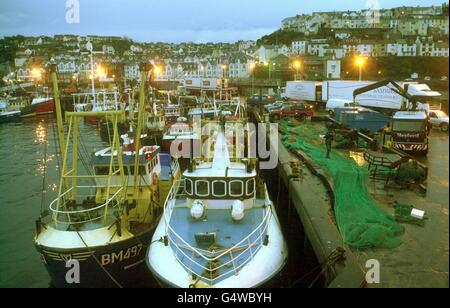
(29, 181)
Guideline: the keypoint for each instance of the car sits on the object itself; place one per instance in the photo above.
(276, 105)
(439, 119)
(427, 78)
(298, 111)
(256, 99)
(444, 78)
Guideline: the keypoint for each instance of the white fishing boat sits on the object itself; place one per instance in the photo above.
(219, 228)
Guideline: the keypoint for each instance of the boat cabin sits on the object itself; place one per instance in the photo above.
(149, 166)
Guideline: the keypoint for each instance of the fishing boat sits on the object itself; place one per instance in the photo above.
(180, 132)
(219, 228)
(99, 101)
(104, 221)
(6, 115)
(39, 106)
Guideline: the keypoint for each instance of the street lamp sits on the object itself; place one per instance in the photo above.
(297, 66)
(224, 67)
(100, 72)
(360, 63)
(36, 74)
(202, 71)
(252, 67)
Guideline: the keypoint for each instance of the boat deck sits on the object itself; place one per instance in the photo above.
(226, 234)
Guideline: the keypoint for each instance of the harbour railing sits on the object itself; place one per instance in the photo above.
(83, 209)
(217, 264)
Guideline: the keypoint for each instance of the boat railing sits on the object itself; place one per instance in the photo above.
(239, 255)
(81, 209)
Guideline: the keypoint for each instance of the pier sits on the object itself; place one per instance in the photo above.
(421, 260)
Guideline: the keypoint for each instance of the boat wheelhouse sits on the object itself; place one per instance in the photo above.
(171, 113)
(219, 228)
(180, 131)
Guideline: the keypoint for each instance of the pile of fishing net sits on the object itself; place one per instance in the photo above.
(362, 222)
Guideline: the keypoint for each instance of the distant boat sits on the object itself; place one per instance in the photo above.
(39, 106)
(6, 115)
(103, 101)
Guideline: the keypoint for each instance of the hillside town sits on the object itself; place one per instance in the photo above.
(321, 41)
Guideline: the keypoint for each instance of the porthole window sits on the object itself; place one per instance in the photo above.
(189, 185)
(250, 187)
(219, 188)
(202, 188)
(236, 188)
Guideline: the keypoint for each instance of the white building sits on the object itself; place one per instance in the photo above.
(265, 53)
(333, 69)
(318, 47)
(300, 47)
(108, 49)
(365, 49)
(131, 71)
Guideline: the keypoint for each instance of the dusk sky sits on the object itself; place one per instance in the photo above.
(170, 20)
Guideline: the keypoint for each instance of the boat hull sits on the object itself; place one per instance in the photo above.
(10, 117)
(116, 265)
(47, 107)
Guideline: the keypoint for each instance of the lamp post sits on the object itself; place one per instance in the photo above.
(202, 70)
(224, 67)
(252, 67)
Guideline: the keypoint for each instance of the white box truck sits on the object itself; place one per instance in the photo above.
(382, 98)
(308, 91)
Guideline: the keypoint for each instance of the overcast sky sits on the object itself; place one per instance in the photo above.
(170, 20)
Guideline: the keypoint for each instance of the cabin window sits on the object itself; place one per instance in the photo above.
(189, 185)
(236, 188)
(219, 188)
(251, 187)
(202, 188)
(101, 170)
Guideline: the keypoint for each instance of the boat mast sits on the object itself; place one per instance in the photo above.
(91, 56)
(145, 69)
(59, 118)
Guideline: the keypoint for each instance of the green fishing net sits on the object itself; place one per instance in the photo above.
(362, 222)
